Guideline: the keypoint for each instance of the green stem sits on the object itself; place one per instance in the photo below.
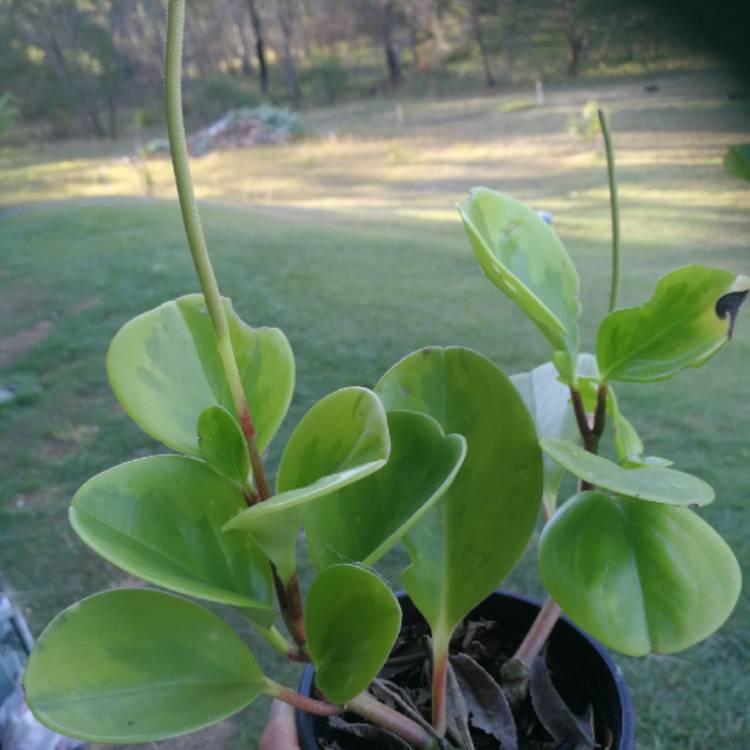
(195, 236)
(614, 210)
(199, 251)
(281, 645)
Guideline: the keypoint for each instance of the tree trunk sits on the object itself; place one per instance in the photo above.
(260, 44)
(286, 21)
(436, 29)
(476, 26)
(576, 47)
(245, 43)
(60, 69)
(392, 59)
(114, 80)
(511, 39)
(577, 37)
(96, 123)
(412, 24)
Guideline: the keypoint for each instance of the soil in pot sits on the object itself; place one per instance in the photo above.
(576, 701)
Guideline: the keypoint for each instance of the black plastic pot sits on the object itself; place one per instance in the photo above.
(572, 650)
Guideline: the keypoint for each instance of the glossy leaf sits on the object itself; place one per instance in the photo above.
(628, 443)
(655, 483)
(362, 521)
(522, 256)
(690, 317)
(165, 371)
(160, 518)
(469, 541)
(640, 577)
(222, 444)
(134, 665)
(352, 620)
(548, 402)
(342, 439)
(635, 462)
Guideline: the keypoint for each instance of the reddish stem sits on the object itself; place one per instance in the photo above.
(378, 713)
(439, 687)
(303, 703)
(540, 631)
(290, 601)
(290, 604)
(259, 473)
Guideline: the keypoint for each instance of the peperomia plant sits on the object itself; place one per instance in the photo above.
(444, 454)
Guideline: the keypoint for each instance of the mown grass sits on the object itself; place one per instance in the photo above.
(358, 286)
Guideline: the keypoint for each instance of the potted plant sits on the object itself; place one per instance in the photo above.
(444, 454)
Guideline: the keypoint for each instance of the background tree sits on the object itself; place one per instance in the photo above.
(475, 14)
(93, 67)
(260, 43)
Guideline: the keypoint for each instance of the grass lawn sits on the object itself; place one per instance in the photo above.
(350, 244)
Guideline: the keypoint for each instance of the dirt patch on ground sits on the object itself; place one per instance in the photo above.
(13, 347)
(65, 442)
(86, 304)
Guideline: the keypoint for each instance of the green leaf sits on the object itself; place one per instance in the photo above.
(688, 320)
(352, 620)
(134, 666)
(165, 371)
(523, 257)
(737, 160)
(160, 518)
(363, 521)
(469, 541)
(222, 444)
(656, 484)
(640, 577)
(548, 402)
(635, 462)
(342, 439)
(628, 443)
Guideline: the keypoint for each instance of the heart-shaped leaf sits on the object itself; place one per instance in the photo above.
(160, 518)
(653, 483)
(352, 620)
(222, 444)
(342, 439)
(640, 577)
(472, 537)
(362, 521)
(522, 256)
(165, 370)
(134, 665)
(690, 317)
